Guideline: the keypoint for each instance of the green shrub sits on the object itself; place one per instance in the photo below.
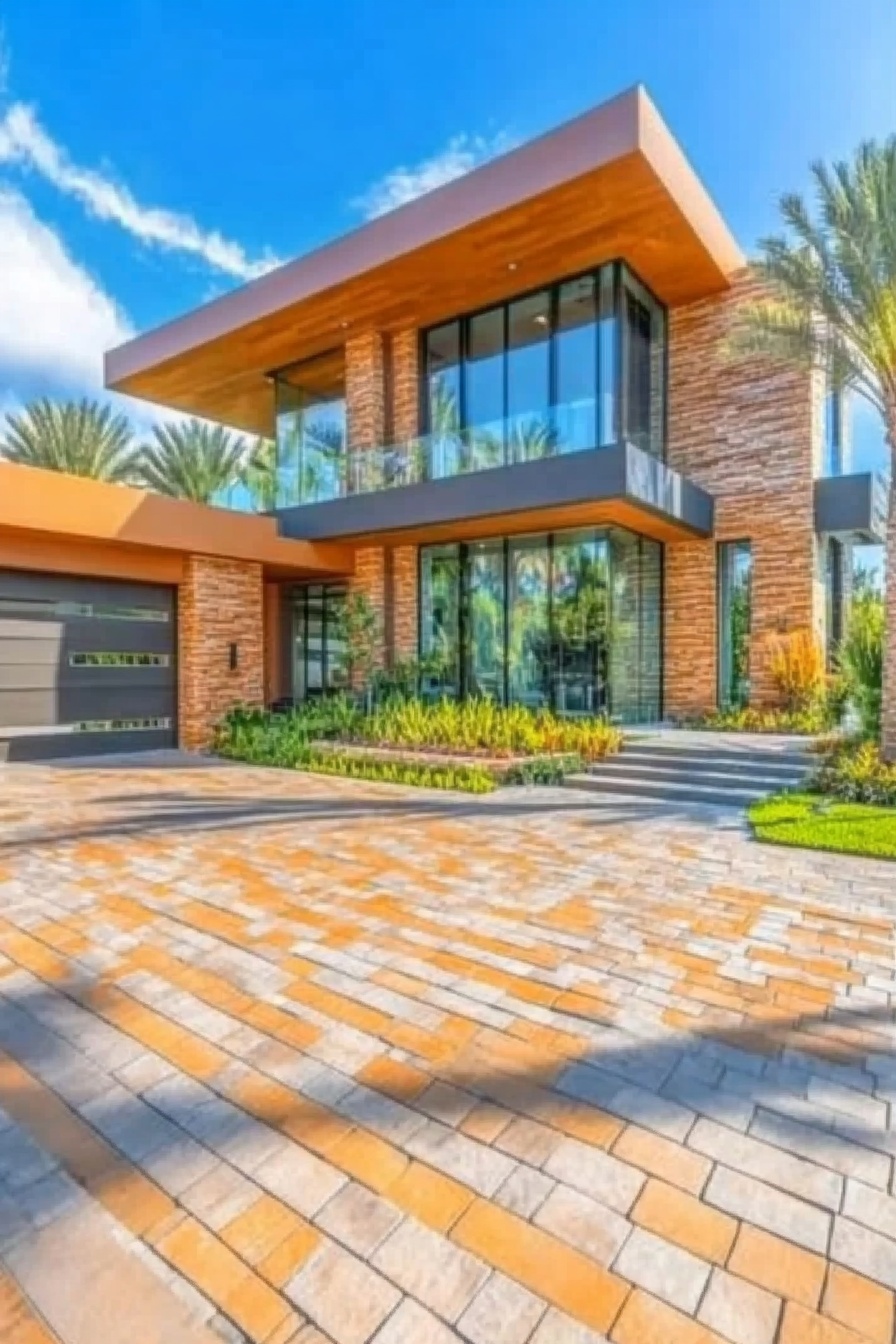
(855, 772)
(862, 660)
(482, 726)
(542, 770)
(419, 774)
(807, 722)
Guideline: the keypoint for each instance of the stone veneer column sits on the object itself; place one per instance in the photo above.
(365, 403)
(406, 425)
(748, 431)
(220, 602)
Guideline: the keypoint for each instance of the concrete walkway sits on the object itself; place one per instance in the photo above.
(291, 1061)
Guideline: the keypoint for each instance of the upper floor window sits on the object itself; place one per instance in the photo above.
(576, 365)
(834, 425)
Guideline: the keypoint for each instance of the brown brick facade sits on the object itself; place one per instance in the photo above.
(382, 394)
(750, 432)
(220, 602)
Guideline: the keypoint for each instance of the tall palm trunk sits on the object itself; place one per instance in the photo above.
(888, 710)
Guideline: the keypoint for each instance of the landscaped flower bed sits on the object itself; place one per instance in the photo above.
(474, 746)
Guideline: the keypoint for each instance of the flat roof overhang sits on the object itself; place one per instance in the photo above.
(852, 506)
(612, 183)
(52, 520)
(620, 485)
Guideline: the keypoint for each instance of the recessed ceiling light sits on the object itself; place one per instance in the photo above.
(343, 325)
(511, 265)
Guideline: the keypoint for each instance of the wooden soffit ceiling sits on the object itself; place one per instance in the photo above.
(613, 183)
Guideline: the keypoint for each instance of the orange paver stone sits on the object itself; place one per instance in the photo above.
(778, 1265)
(860, 1304)
(434, 1199)
(542, 1264)
(680, 1218)
(646, 1320)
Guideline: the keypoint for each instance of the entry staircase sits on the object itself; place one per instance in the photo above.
(690, 767)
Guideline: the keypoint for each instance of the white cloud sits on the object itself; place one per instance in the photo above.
(25, 143)
(55, 319)
(460, 156)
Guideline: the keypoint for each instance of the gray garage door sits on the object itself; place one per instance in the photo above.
(86, 666)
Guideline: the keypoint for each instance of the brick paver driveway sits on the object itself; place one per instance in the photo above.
(297, 1060)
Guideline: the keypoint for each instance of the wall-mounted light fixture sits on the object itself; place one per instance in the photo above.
(234, 657)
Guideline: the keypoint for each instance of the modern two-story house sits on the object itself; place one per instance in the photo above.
(511, 414)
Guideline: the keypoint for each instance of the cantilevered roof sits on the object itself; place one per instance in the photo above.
(612, 183)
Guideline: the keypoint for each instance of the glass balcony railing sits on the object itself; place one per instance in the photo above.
(310, 473)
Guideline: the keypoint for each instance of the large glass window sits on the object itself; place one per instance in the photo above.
(833, 427)
(443, 390)
(735, 614)
(569, 621)
(484, 623)
(484, 400)
(644, 360)
(318, 661)
(575, 344)
(575, 366)
(579, 623)
(529, 651)
(311, 430)
(440, 618)
(529, 429)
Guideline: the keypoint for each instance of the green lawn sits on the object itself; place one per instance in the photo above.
(812, 821)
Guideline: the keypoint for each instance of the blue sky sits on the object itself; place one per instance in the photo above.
(154, 153)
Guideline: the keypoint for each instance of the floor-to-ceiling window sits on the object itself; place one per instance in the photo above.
(735, 616)
(311, 430)
(440, 618)
(484, 619)
(580, 364)
(569, 621)
(318, 654)
(529, 644)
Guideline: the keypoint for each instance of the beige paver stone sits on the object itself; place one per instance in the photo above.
(739, 1310)
(344, 1297)
(439, 1274)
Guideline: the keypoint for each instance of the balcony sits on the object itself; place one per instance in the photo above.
(529, 472)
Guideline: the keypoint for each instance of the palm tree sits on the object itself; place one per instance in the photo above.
(832, 305)
(259, 475)
(81, 438)
(193, 460)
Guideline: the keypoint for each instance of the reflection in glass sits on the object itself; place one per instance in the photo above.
(576, 361)
(440, 618)
(529, 660)
(735, 615)
(318, 664)
(580, 615)
(530, 433)
(311, 430)
(635, 649)
(484, 620)
(644, 357)
(443, 391)
(484, 391)
(608, 360)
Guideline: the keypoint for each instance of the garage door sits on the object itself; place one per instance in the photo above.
(86, 666)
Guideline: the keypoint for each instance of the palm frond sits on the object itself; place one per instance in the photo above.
(82, 438)
(831, 278)
(192, 460)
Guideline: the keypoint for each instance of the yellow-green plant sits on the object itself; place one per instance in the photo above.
(796, 666)
(484, 727)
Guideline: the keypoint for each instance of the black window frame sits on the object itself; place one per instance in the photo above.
(617, 267)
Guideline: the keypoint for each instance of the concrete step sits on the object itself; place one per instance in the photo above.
(709, 795)
(709, 774)
(770, 768)
(748, 759)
